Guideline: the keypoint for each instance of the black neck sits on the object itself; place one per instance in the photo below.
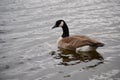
(65, 30)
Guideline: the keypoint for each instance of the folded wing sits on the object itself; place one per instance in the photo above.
(74, 42)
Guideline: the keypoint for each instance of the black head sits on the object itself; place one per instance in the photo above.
(59, 23)
(63, 25)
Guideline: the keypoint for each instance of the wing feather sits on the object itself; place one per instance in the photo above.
(74, 42)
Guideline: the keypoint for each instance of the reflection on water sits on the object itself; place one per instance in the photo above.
(69, 57)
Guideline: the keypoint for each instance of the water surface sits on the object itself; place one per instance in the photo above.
(27, 40)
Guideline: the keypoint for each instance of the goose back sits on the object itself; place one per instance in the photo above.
(74, 42)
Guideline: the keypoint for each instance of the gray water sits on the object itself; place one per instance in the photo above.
(28, 49)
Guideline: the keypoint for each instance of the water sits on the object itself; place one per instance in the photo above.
(28, 48)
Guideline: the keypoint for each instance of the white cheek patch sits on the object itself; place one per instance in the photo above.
(61, 24)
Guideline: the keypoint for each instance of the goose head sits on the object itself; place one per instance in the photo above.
(59, 23)
(63, 25)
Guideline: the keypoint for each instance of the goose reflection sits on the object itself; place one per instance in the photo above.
(69, 57)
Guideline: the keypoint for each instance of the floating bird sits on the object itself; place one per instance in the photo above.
(77, 42)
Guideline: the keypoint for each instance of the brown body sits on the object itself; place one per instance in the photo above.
(73, 42)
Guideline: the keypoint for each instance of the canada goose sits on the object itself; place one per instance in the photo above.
(77, 42)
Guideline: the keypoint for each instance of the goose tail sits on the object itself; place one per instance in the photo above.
(98, 44)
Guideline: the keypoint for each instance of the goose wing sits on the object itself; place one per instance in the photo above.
(74, 42)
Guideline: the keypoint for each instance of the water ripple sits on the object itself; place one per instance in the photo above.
(26, 38)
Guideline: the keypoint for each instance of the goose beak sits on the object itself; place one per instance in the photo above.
(54, 27)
